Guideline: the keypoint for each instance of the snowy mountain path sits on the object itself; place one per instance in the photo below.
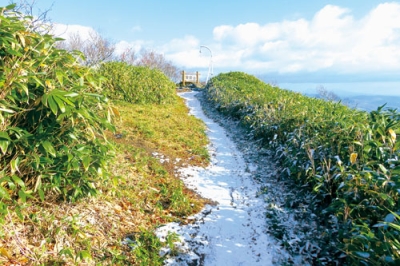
(233, 232)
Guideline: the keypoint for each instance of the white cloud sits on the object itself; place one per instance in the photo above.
(184, 52)
(64, 31)
(333, 40)
(176, 45)
(137, 46)
(222, 32)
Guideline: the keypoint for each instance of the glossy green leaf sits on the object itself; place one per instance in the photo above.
(71, 95)
(23, 86)
(383, 168)
(52, 104)
(86, 162)
(49, 148)
(14, 164)
(4, 145)
(60, 103)
(4, 135)
(37, 80)
(14, 52)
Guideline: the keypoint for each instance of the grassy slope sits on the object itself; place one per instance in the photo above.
(142, 194)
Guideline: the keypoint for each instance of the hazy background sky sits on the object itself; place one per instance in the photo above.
(282, 41)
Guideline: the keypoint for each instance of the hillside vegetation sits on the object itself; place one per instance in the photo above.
(136, 84)
(347, 158)
(81, 177)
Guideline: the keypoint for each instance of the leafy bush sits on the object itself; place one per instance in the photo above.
(348, 158)
(51, 120)
(137, 84)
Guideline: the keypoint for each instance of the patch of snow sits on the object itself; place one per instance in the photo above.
(234, 231)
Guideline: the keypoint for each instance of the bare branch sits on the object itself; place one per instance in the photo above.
(154, 60)
(40, 21)
(327, 95)
(95, 48)
(128, 56)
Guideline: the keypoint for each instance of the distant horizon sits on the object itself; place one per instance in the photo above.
(360, 97)
(346, 89)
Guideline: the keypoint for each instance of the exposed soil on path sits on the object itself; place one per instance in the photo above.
(247, 225)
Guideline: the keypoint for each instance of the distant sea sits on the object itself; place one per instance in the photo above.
(366, 96)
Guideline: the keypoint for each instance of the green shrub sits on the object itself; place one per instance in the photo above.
(51, 120)
(348, 159)
(137, 84)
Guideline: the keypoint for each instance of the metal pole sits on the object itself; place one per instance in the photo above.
(210, 67)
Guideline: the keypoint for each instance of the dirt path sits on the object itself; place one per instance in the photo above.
(233, 232)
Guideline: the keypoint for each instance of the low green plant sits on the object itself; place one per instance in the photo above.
(52, 121)
(170, 242)
(146, 248)
(136, 84)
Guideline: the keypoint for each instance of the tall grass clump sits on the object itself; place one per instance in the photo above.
(137, 84)
(347, 158)
(51, 120)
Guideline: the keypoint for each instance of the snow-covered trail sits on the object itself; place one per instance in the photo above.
(233, 231)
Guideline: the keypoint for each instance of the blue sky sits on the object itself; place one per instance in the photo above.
(282, 41)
